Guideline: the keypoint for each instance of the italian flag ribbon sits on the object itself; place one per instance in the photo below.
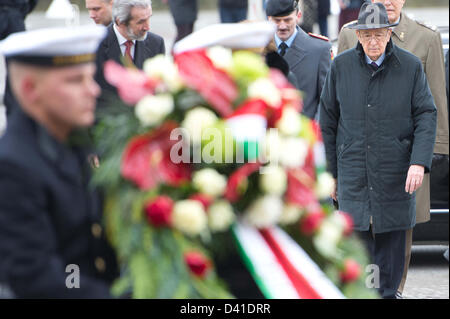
(280, 267)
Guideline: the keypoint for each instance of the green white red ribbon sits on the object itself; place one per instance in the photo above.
(280, 267)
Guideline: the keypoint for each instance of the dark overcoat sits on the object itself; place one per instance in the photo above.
(50, 219)
(376, 124)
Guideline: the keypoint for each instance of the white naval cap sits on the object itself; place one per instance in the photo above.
(60, 46)
(232, 35)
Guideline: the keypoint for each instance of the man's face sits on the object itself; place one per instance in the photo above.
(286, 25)
(99, 11)
(139, 23)
(374, 41)
(68, 95)
(393, 8)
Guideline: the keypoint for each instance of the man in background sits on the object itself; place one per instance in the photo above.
(100, 11)
(232, 11)
(128, 39)
(308, 55)
(12, 19)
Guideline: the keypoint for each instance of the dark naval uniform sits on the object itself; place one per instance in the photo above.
(50, 219)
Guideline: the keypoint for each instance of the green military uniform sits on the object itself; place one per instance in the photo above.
(425, 43)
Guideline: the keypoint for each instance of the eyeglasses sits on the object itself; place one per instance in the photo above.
(379, 36)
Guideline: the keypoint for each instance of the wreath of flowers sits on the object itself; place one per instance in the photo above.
(199, 142)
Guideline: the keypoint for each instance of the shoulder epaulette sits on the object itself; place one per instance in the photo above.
(426, 25)
(318, 36)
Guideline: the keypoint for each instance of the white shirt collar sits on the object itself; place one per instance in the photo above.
(120, 38)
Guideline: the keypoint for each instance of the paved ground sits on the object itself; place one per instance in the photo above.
(428, 275)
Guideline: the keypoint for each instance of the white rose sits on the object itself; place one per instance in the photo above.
(162, 67)
(293, 152)
(220, 216)
(152, 109)
(208, 181)
(265, 90)
(189, 217)
(291, 214)
(289, 124)
(221, 57)
(325, 185)
(196, 120)
(328, 237)
(273, 180)
(265, 211)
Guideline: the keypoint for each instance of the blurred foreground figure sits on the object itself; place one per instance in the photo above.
(52, 243)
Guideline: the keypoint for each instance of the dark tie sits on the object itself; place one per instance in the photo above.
(374, 66)
(283, 46)
(128, 46)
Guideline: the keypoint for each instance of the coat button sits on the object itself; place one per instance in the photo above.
(96, 230)
(369, 105)
(100, 264)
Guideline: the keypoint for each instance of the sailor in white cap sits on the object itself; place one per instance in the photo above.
(51, 239)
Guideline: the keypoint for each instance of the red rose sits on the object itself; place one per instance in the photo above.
(204, 199)
(348, 228)
(351, 271)
(236, 178)
(146, 160)
(197, 263)
(159, 211)
(312, 221)
(214, 85)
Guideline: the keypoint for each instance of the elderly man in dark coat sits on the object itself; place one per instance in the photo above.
(378, 120)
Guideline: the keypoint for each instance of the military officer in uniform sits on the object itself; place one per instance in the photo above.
(424, 42)
(308, 55)
(52, 244)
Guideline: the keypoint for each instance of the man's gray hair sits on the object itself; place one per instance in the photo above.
(121, 10)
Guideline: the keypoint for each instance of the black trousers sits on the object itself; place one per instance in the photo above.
(387, 251)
